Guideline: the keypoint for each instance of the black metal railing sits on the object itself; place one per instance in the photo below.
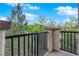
(69, 41)
(32, 44)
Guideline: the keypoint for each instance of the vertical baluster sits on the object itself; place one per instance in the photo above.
(24, 46)
(28, 45)
(18, 46)
(45, 38)
(67, 41)
(45, 43)
(41, 41)
(74, 42)
(64, 41)
(30, 53)
(12, 53)
(61, 40)
(37, 44)
(32, 45)
(71, 42)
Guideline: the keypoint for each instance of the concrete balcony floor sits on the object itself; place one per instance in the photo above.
(59, 53)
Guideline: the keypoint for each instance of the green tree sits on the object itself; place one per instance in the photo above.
(42, 20)
(34, 28)
(51, 23)
(70, 25)
(18, 19)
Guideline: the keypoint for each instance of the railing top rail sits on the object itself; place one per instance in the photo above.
(19, 35)
(70, 31)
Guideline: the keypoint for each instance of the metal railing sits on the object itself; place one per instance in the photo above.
(32, 44)
(69, 41)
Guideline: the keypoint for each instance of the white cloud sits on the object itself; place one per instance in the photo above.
(25, 6)
(34, 8)
(28, 5)
(31, 7)
(3, 18)
(11, 4)
(67, 11)
(30, 16)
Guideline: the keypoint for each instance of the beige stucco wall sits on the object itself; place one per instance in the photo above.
(2, 42)
(50, 41)
(53, 39)
(56, 40)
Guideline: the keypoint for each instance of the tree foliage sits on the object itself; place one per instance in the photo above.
(18, 18)
(34, 28)
(70, 25)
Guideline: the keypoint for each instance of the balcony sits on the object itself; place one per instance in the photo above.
(38, 44)
(52, 42)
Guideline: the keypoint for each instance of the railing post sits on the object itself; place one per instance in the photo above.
(50, 40)
(53, 39)
(4, 25)
(2, 42)
(56, 39)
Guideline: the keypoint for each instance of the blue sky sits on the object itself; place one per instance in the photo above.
(57, 11)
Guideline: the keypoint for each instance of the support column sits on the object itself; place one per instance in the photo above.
(50, 40)
(2, 42)
(4, 25)
(56, 39)
(53, 39)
